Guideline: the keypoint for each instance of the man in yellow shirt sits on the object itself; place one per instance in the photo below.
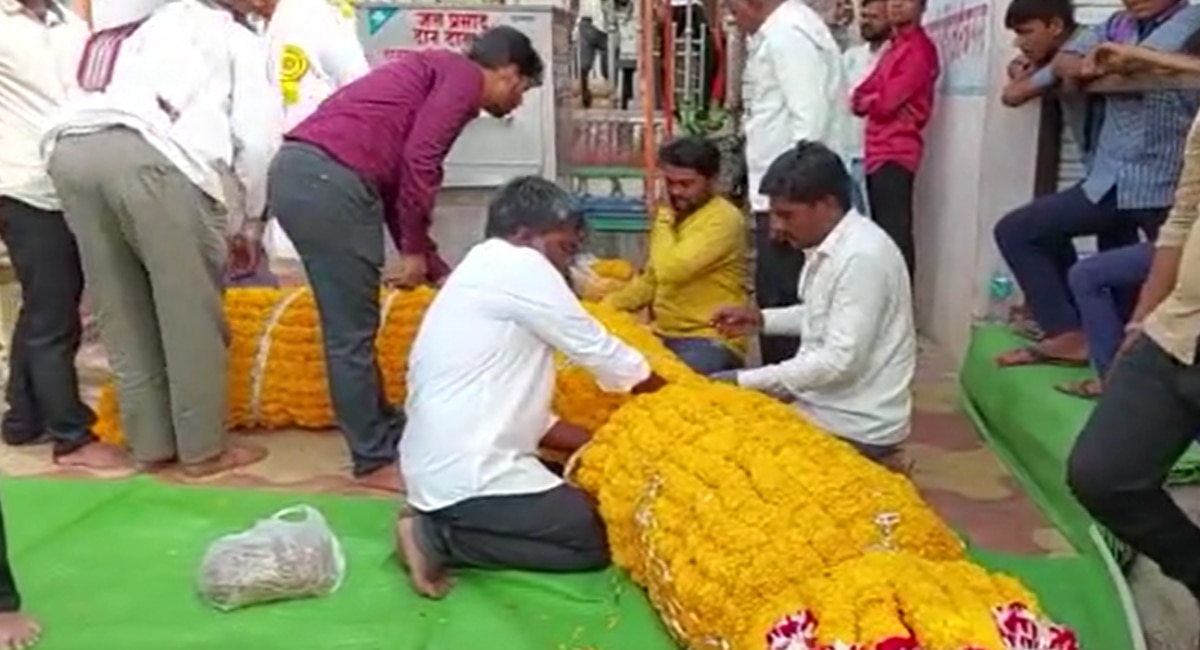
(697, 260)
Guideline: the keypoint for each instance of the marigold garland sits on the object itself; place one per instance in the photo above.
(277, 374)
(749, 527)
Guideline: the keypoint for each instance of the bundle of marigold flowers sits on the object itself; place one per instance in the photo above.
(739, 517)
(277, 376)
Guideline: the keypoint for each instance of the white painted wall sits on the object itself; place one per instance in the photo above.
(979, 164)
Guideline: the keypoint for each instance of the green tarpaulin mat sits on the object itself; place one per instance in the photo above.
(111, 566)
(1032, 426)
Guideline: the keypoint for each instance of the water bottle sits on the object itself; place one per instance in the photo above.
(1000, 297)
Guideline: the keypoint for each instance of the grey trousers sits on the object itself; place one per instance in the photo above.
(335, 221)
(43, 386)
(557, 531)
(153, 250)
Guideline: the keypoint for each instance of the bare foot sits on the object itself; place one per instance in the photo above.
(427, 581)
(386, 478)
(96, 455)
(18, 631)
(237, 454)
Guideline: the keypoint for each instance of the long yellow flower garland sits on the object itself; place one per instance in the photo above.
(750, 528)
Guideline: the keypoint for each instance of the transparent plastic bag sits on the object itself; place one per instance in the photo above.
(292, 554)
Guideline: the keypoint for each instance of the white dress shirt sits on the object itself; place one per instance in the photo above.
(793, 89)
(854, 370)
(194, 59)
(858, 62)
(326, 40)
(38, 61)
(481, 376)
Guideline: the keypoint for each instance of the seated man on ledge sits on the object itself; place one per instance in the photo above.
(854, 370)
(480, 383)
(697, 260)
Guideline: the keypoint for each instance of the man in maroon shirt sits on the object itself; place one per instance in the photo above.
(371, 156)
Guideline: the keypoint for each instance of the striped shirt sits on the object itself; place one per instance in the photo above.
(1139, 150)
(394, 127)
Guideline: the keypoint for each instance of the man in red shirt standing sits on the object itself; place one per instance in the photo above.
(896, 100)
(371, 156)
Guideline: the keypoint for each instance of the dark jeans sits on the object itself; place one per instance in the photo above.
(1037, 242)
(335, 220)
(1144, 422)
(705, 356)
(776, 284)
(43, 387)
(890, 192)
(557, 531)
(1105, 288)
(10, 598)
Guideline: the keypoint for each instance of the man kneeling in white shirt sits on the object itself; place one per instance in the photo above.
(853, 372)
(480, 382)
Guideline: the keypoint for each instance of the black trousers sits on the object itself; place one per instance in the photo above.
(335, 220)
(890, 192)
(10, 597)
(43, 386)
(557, 531)
(776, 284)
(1147, 418)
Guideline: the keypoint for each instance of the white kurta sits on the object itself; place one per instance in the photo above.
(314, 51)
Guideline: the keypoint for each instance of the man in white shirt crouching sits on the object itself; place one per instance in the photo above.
(480, 383)
(854, 370)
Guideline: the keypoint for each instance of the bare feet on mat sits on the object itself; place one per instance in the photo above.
(18, 631)
(385, 479)
(426, 580)
(238, 454)
(98, 456)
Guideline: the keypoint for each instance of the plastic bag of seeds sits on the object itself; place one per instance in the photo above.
(292, 554)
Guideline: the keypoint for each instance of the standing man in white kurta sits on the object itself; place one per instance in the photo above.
(794, 88)
(314, 50)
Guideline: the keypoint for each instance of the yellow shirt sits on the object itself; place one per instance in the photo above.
(694, 267)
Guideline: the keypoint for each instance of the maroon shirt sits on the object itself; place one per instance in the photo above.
(394, 127)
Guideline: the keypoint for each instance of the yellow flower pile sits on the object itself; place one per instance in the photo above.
(749, 527)
(277, 375)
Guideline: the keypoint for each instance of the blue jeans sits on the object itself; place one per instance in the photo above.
(1037, 242)
(705, 356)
(1105, 288)
(858, 187)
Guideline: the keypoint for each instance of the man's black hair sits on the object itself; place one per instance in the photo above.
(807, 173)
(532, 203)
(502, 46)
(1024, 11)
(692, 152)
(867, 2)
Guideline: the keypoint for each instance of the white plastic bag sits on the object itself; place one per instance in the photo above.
(292, 554)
